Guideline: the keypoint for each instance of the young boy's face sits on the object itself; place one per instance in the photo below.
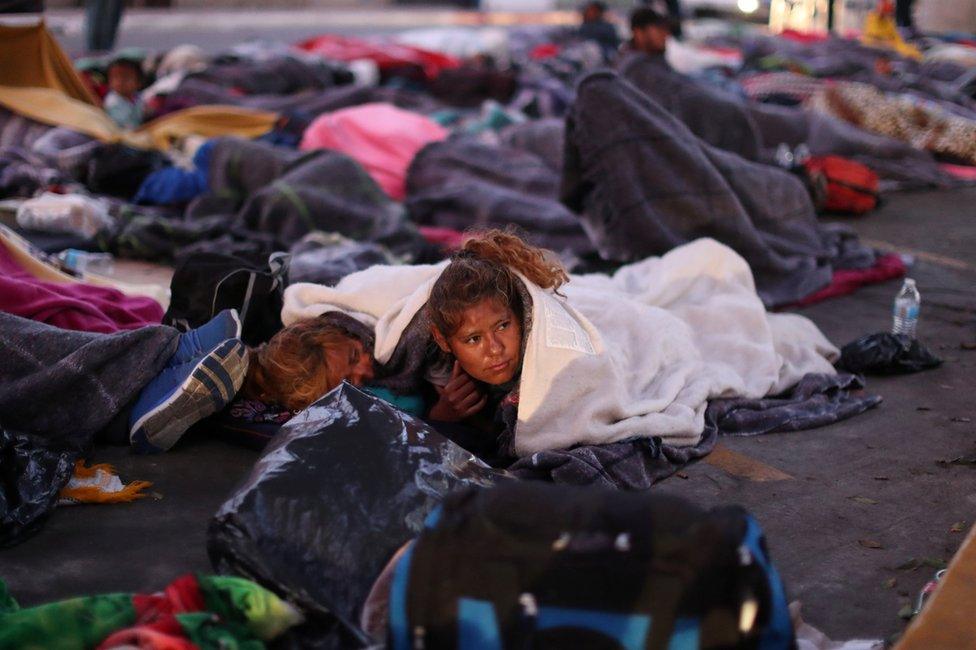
(123, 80)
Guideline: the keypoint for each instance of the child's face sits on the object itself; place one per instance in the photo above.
(488, 344)
(123, 80)
(351, 363)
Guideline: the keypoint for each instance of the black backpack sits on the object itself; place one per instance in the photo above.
(205, 283)
(533, 565)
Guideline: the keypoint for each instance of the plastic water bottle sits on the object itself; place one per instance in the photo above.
(784, 156)
(85, 262)
(907, 304)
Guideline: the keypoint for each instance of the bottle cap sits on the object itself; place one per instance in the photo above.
(910, 282)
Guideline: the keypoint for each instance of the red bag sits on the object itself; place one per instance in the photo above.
(843, 185)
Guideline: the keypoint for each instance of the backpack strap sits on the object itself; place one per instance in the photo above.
(779, 630)
(247, 296)
(279, 263)
(400, 637)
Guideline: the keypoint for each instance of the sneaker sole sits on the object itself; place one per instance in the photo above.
(212, 385)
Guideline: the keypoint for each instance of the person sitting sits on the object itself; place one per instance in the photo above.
(123, 102)
(650, 28)
(595, 27)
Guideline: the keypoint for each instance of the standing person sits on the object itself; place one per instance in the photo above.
(903, 13)
(102, 18)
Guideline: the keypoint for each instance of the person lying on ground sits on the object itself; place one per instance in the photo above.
(144, 387)
(475, 316)
(505, 342)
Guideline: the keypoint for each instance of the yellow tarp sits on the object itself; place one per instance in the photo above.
(30, 57)
(50, 106)
(880, 31)
(38, 81)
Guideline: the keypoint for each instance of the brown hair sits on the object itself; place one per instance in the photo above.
(485, 268)
(292, 369)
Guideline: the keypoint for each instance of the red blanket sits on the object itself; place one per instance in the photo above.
(71, 305)
(887, 267)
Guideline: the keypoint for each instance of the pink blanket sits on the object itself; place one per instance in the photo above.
(380, 137)
(71, 305)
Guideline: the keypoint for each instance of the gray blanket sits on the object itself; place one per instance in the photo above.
(58, 388)
(461, 183)
(63, 384)
(266, 198)
(818, 400)
(644, 184)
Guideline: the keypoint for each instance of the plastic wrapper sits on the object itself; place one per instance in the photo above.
(64, 213)
(886, 354)
(338, 490)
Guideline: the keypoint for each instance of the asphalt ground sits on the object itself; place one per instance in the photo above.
(848, 509)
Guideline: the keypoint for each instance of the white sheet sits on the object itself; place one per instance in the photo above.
(636, 354)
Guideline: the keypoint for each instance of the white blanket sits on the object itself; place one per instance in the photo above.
(636, 354)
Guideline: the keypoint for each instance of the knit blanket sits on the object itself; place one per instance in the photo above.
(638, 354)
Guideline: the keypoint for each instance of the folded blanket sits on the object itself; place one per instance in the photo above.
(638, 354)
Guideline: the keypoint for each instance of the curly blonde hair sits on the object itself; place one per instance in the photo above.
(485, 268)
(292, 369)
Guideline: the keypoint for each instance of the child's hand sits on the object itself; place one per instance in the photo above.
(459, 399)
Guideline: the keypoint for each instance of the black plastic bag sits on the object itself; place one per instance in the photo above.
(886, 354)
(32, 472)
(338, 490)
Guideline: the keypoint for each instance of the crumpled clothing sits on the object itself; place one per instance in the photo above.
(192, 611)
(173, 185)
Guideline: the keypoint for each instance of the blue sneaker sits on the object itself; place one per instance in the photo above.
(192, 344)
(184, 393)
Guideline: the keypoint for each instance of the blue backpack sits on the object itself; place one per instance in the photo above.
(533, 565)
